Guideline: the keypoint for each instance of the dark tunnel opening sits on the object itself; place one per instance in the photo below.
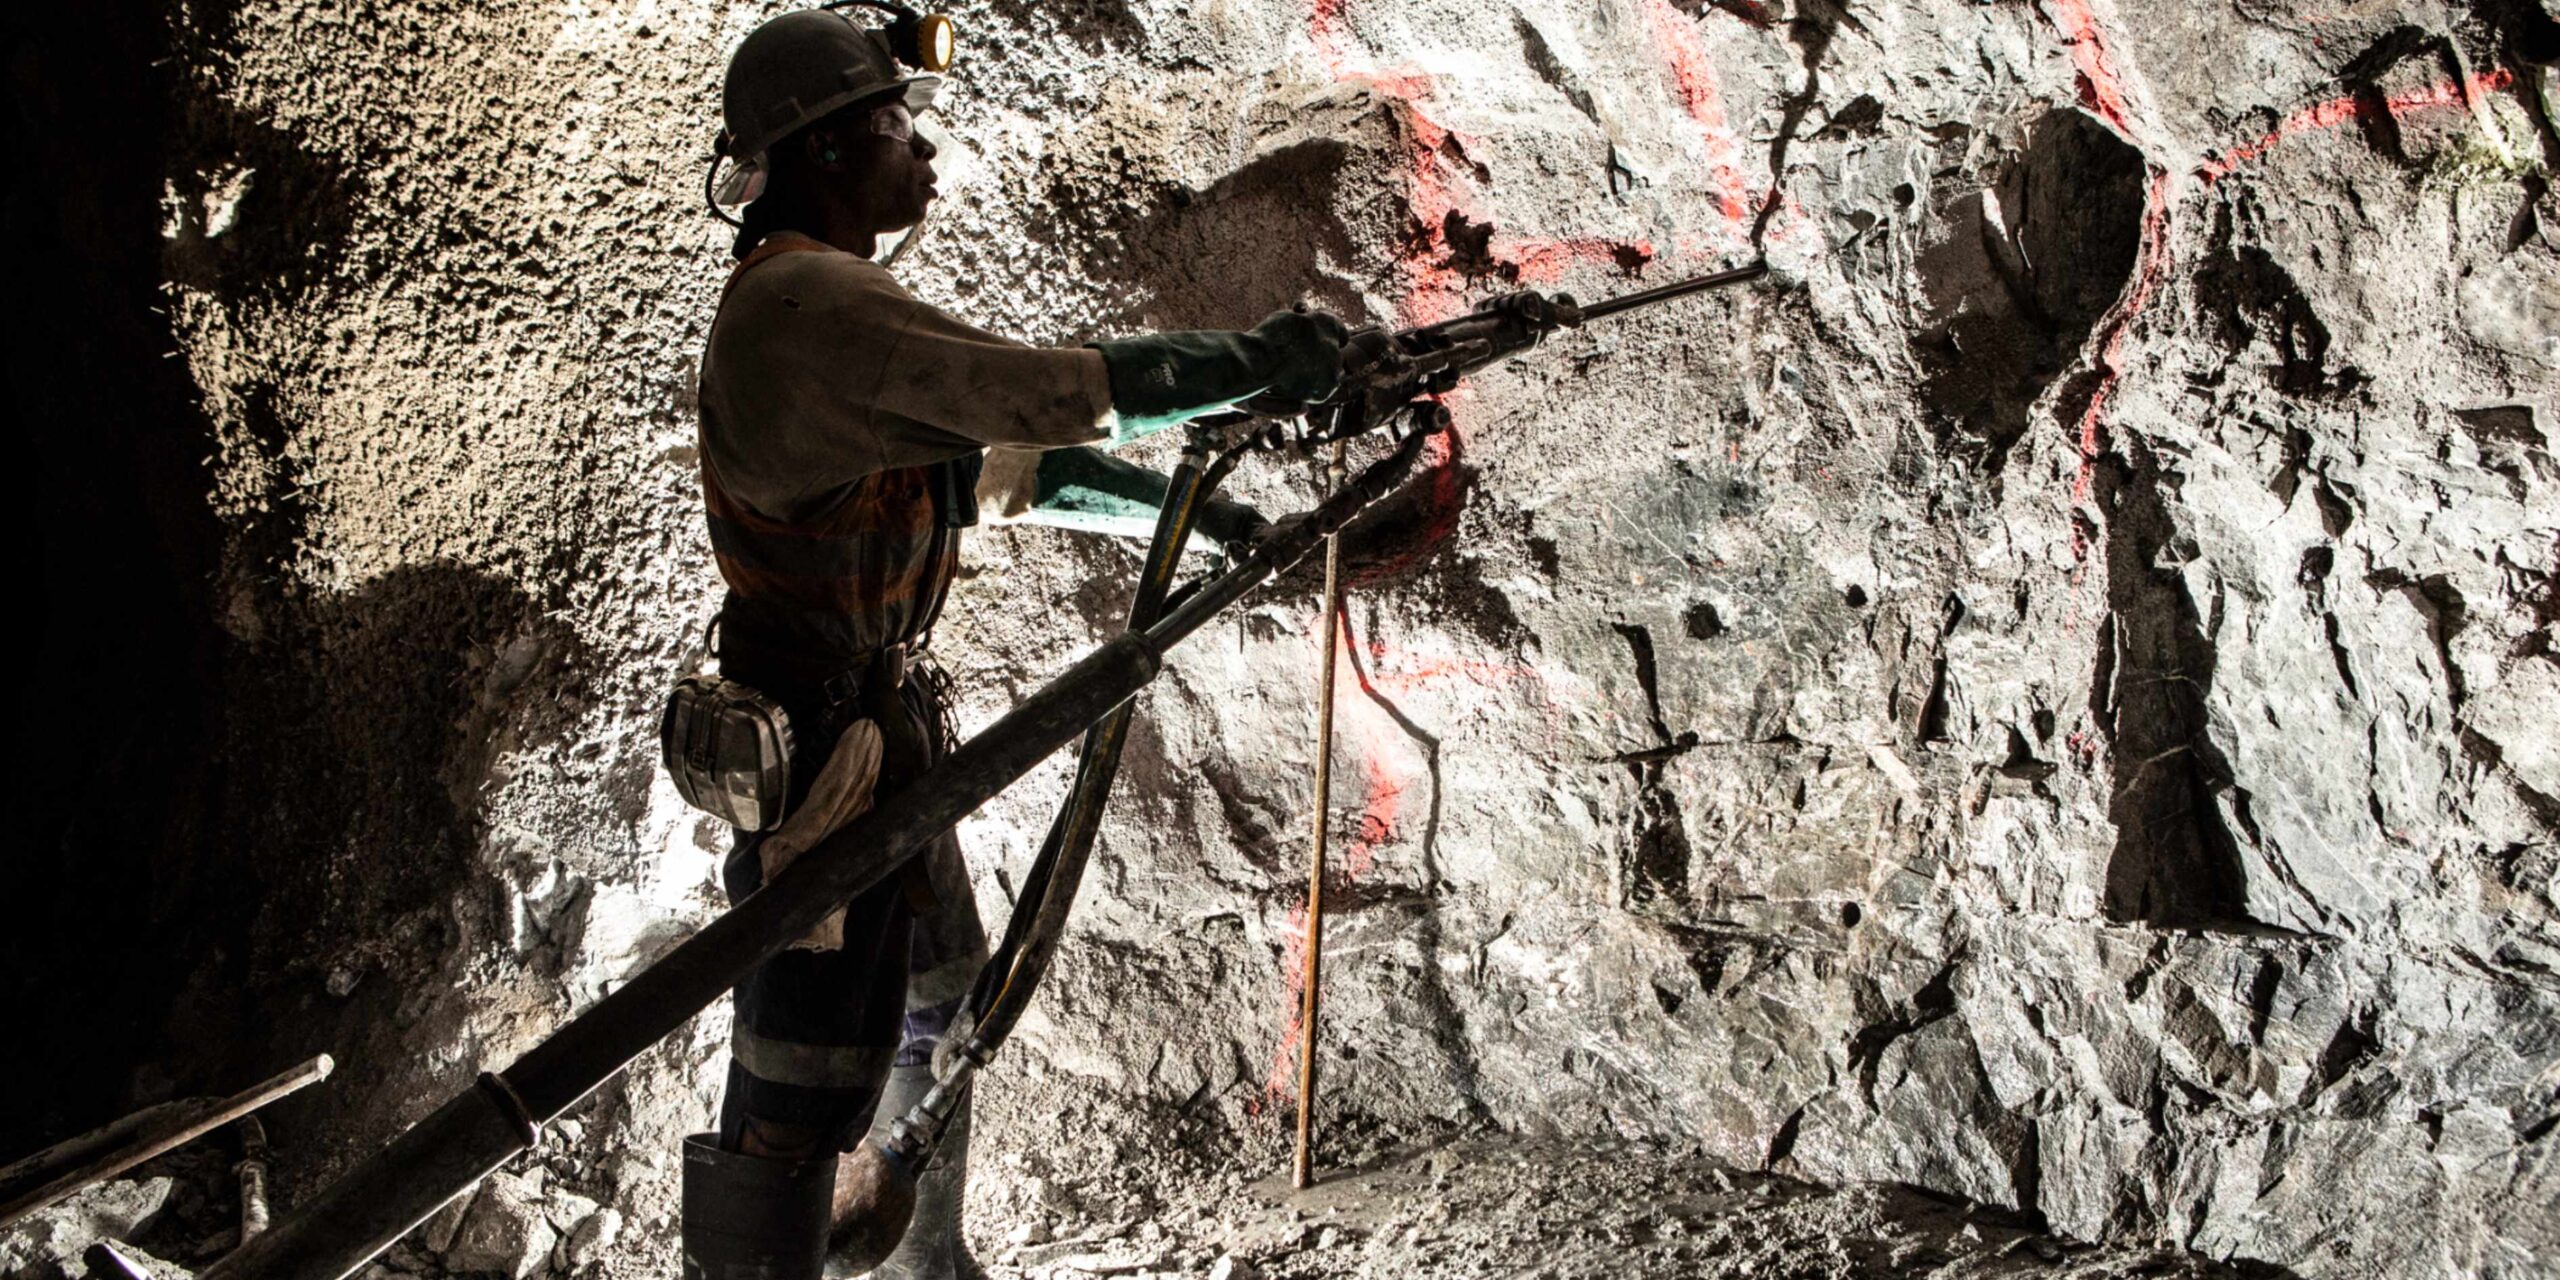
(115, 717)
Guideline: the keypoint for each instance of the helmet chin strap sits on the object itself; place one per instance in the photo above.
(711, 189)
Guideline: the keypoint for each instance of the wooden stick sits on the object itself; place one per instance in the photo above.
(1302, 1169)
(138, 1137)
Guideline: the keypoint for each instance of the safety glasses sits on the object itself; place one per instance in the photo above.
(892, 120)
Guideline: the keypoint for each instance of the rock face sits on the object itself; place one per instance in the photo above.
(48, 1243)
(2055, 705)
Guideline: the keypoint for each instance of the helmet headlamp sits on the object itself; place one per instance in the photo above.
(925, 41)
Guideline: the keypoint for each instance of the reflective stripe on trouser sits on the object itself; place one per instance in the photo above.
(816, 1031)
(945, 949)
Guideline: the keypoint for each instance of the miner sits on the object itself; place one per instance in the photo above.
(846, 430)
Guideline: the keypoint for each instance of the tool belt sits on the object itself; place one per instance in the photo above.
(729, 745)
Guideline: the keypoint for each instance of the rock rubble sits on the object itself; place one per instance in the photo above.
(2052, 708)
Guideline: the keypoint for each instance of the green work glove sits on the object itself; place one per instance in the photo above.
(1092, 491)
(1166, 379)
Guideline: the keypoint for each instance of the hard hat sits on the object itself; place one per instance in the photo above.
(794, 70)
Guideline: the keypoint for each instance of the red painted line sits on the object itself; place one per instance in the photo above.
(1701, 93)
(2102, 86)
(1433, 288)
(2106, 92)
(2151, 266)
(2322, 116)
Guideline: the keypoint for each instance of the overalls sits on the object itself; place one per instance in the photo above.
(829, 615)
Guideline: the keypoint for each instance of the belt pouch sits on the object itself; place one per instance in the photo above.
(728, 745)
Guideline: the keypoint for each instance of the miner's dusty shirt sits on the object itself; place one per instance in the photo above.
(823, 370)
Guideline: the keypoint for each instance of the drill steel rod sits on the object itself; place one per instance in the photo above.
(1302, 1165)
(1647, 297)
(478, 1129)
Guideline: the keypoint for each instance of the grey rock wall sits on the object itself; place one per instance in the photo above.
(2055, 706)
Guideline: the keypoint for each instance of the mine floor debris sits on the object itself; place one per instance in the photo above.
(1504, 1207)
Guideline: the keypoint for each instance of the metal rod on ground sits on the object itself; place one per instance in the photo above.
(1302, 1170)
(139, 1137)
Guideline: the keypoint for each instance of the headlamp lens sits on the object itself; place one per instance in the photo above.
(936, 41)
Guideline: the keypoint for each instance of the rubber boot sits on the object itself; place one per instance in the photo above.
(933, 1248)
(753, 1217)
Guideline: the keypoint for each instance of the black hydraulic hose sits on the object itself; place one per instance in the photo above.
(358, 1216)
(1005, 986)
(1174, 514)
(1008, 981)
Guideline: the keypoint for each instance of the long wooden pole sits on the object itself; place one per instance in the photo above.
(1302, 1168)
(70, 1166)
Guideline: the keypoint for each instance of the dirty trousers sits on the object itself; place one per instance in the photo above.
(817, 1031)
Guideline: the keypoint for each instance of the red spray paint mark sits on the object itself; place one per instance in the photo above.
(2323, 116)
(1693, 77)
(2106, 92)
(2150, 268)
(1433, 289)
(2102, 86)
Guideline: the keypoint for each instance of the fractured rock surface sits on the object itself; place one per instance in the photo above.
(2053, 708)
